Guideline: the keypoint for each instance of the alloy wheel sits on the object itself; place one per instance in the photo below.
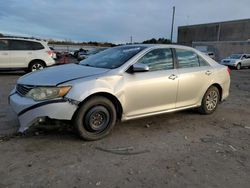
(212, 100)
(36, 66)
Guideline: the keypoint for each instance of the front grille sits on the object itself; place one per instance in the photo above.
(23, 89)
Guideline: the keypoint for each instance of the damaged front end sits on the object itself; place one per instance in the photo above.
(31, 112)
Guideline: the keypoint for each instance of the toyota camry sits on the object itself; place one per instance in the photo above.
(121, 83)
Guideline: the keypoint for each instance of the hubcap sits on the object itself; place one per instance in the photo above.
(97, 119)
(36, 67)
(212, 100)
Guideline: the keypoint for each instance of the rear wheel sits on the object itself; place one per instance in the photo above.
(95, 118)
(36, 65)
(210, 101)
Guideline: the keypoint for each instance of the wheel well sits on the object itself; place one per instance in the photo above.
(219, 88)
(37, 60)
(112, 98)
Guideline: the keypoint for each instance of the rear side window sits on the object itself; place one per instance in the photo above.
(158, 59)
(188, 59)
(37, 46)
(203, 62)
(3, 44)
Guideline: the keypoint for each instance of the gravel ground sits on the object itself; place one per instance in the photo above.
(181, 149)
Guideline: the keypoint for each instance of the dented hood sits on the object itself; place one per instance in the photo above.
(59, 74)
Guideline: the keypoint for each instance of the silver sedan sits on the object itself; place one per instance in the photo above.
(237, 61)
(121, 83)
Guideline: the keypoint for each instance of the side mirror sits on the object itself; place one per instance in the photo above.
(139, 67)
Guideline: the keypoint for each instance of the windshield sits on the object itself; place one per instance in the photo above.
(113, 57)
(235, 56)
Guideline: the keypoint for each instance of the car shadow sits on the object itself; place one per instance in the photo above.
(12, 73)
(65, 130)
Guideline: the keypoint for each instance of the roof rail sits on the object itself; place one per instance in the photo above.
(18, 37)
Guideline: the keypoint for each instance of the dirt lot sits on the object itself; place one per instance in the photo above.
(181, 149)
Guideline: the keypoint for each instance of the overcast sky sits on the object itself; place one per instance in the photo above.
(112, 20)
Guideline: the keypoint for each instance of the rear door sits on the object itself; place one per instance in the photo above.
(20, 53)
(194, 77)
(4, 54)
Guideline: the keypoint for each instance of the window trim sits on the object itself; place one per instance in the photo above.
(200, 57)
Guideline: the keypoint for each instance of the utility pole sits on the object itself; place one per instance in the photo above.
(218, 33)
(172, 28)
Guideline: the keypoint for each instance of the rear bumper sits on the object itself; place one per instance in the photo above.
(50, 62)
(225, 90)
(29, 112)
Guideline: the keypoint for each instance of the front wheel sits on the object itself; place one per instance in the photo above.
(210, 101)
(238, 67)
(95, 119)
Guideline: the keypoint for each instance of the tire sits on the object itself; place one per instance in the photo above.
(95, 118)
(36, 65)
(210, 101)
(238, 67)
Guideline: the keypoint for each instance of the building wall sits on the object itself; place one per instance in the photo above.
(223, 49)
(238, 30)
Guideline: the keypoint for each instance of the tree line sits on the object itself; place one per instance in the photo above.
(104, 44)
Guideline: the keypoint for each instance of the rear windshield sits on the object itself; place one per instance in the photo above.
(113, 57)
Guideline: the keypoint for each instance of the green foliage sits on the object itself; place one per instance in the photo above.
(91, 43)
(157, 41)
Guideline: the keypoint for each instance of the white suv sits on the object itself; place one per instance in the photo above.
(25, 54)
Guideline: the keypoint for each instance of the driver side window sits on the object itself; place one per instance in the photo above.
(158, 59)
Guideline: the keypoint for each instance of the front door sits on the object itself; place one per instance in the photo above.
(153, 91)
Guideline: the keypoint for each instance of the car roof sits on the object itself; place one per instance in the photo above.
(24, 39)
(157, 45)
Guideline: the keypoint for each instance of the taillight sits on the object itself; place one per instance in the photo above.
(50, 53)
(229, 70)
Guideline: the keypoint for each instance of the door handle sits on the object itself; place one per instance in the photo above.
(208, 72)
(173, 77)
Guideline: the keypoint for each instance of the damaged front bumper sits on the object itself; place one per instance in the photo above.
(29, 111)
